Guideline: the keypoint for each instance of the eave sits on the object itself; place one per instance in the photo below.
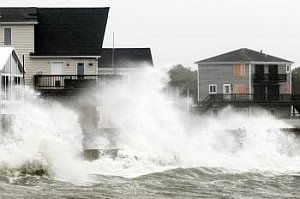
(19, 23)
(65, 57)
(241, 62)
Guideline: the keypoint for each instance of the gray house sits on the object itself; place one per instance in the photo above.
(246, 80)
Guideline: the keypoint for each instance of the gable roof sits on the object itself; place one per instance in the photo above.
(70, 31)
(11, 14)
(243, 55)
(5, 53)
(126, 58)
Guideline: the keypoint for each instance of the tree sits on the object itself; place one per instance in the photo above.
(185, 79)
(296, 81)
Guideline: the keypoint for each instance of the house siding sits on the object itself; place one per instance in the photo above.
(223, 74)
(69, 66)
(23, 42)
(219, 74)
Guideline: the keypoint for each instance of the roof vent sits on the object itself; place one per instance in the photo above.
(261, 51)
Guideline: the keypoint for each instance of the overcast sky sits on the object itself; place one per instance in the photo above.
(182, 32)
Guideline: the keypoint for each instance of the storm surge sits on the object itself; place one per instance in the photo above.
(153, 132)
(41, 138)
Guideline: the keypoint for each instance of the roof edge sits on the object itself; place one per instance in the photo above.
(243, 62)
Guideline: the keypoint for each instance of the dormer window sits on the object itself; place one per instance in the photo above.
(7, 36)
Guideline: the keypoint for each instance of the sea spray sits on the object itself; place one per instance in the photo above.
(43, 133)
(153, 132)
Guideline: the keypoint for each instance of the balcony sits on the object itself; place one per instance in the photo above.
(75, 81)
(269, 78)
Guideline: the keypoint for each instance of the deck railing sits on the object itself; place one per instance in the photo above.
(269, 78)
(74, 81)
(248, 98)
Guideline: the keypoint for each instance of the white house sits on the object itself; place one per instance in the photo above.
(11, 84)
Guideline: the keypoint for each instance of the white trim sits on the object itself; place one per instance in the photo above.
(77, 66)
(216, 90)
(11, 39)
(198, 84)
(250, 78)
(224, 85)
(19, 23)
(291, 82)
(60, 57)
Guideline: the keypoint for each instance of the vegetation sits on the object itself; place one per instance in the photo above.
(185, 80)
(296, 80)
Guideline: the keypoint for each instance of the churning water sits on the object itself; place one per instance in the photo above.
(163, 152)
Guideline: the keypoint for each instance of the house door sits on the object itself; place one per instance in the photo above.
(259, 92)
(273, 92)
(80, 70)
(227, 91)
(273, 72)
(57, 70)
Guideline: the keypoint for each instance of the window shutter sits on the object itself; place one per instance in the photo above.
(239, 89)
(239, 70)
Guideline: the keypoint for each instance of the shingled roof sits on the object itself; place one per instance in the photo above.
(70, 31)
(243, 55)
(126, 58)
(10, 14)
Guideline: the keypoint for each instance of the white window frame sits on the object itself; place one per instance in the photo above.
(287, 68)
(212, 85)
(224, 85)
(11, 39)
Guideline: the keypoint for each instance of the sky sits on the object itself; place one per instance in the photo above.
(183, 32)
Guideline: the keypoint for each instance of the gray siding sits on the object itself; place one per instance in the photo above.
(218, 74)
(222, 74)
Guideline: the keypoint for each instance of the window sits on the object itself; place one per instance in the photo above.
(212, 89)
(226, 89)
(288, 68)
(7, 36)
(239, 89)
(239, 70)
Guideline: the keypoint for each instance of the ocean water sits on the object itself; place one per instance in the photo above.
(164, 152)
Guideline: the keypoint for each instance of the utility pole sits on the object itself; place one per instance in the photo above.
(188, 108)
(113, 55)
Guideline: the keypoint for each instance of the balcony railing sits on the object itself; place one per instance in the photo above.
(74, 81)
(269, 78)
(252, 98)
